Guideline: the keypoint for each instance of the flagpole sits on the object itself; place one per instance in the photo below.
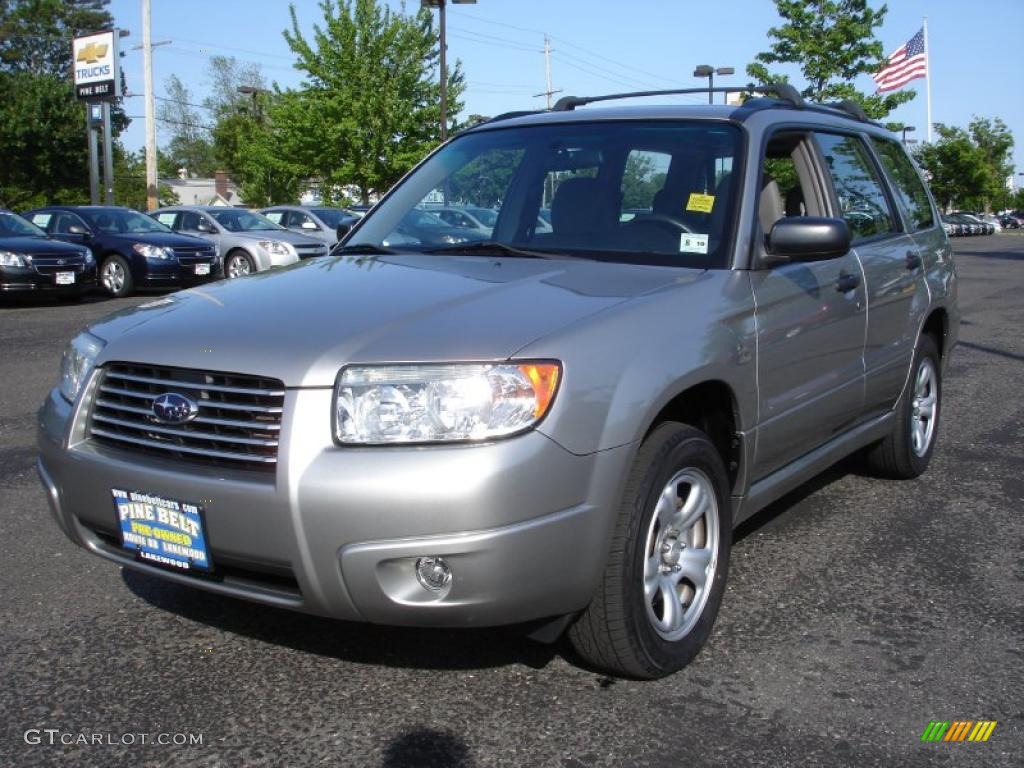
(928, 78)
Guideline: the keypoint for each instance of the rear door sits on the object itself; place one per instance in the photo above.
(891, 263)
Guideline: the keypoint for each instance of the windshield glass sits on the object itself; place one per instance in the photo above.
(332, 217)
(13, 225)
(238, 220)
(638, 192)
(114, 221)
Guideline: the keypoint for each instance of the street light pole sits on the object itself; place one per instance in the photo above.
(440, 5)
(706, 70)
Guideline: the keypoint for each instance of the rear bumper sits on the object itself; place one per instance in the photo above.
(524, 524)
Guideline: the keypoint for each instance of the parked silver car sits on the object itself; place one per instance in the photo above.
(248, 242)
(326, 224)
(558, 427)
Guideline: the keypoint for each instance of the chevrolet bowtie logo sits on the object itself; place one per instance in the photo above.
(92, 53)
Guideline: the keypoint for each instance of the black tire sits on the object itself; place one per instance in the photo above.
(243, 259)
(116, 284)
(896, 457)
(616, 631)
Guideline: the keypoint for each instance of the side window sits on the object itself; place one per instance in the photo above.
(42, 220)
(189, 221)
(302, 221)
(643, 178)
(63, 222)
(167, 218)
(862, 200)
(275, 216)
(907, 183)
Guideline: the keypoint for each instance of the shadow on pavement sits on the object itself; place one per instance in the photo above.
(413, 647)
(427, 748)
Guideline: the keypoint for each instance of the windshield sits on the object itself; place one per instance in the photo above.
(238, 220)
(114, 221)
(638, 192)
(13, 225)
(332, 217)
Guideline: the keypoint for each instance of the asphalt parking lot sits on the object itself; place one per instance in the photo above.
(857, 611)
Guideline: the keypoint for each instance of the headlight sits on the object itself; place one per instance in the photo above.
(11, 259)
(79, 359)
(376, 405)
(275, 247)
(153, 251)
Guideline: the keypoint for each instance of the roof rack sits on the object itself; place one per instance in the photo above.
(783, 91)
(852, 108)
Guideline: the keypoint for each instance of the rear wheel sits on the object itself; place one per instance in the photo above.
(905, 453)
(116, 277)
(666, 571)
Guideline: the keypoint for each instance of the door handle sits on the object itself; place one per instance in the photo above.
(847, 282)
(913, 260)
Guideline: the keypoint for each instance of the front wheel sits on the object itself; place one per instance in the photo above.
(116, 277)
(238, 264)
(905, 452)
(666, 571)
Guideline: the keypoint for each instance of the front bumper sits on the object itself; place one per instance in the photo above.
(28, 279)
(172, 274)
(524, 524)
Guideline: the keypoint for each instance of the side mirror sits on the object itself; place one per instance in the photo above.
(78, 229)
(343, 229)
(807, 238)
(308, 225)
(204, 226)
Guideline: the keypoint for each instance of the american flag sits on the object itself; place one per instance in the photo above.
(906, 63)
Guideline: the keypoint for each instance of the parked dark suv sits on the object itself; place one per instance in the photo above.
(559, 425)
(31, 261)
(133, 251)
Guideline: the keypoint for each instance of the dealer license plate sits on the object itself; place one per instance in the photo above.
(65, 278)
(202, 269)
(162, 531)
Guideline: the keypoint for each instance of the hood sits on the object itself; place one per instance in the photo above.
(162, 239)
(278, 234)
(302, 323)
(40, 246)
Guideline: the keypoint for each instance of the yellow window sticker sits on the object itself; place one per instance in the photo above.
(700, 203)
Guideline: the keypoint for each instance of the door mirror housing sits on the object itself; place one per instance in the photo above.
(78, 230)
(343, 229)
(807, 238)
(204, 226)
(308, 225)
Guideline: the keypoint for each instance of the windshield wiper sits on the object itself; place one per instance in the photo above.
(498, 249)
(363, 249)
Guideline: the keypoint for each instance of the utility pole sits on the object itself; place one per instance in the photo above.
(547, 73)
(147, 78)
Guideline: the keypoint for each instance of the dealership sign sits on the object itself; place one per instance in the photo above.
(96, 67)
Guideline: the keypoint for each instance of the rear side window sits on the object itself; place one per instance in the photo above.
(862, 200)
(167, 218)
(908, 185)
(275, 216)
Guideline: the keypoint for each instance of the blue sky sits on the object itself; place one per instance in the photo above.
(602, 47)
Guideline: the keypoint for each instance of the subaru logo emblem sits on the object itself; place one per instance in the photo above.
(172, 408)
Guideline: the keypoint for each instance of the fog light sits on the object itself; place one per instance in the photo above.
(433, 573)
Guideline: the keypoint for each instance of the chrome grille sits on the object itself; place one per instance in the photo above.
(48, 265)
(309, 251)
(190, 256)
(238, 423)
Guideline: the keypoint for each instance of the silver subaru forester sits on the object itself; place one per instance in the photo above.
(558, 427)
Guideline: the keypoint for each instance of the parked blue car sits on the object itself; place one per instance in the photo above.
(32, 262)
(132, 250)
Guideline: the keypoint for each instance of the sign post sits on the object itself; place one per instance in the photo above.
(96, 66)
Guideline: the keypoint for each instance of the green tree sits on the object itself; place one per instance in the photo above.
(42, 132)
(832, 42)
(190, 145)
(369, 107)
(995, 143)
(35, 35)
(955, 167)
(130, 181)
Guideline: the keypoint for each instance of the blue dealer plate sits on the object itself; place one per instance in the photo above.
(162, 531)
